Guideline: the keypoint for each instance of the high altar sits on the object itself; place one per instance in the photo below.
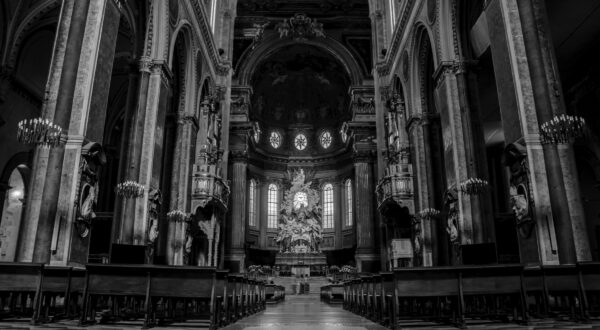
(300, 228)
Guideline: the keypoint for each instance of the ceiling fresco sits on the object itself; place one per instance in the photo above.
(300, 85)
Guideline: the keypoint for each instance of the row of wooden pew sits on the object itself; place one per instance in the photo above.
(332, 293)
(274, 293)
(150, 295)
(459, 295)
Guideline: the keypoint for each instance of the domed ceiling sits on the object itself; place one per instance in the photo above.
(300, 85)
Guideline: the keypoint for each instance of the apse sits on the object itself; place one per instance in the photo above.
(300, 90)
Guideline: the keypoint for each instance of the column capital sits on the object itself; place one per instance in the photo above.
(238, 156)
(447, 68)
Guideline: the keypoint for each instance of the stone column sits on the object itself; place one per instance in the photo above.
(463, 160)
(338, 216)
(145, 148)
(236, 254)
(126, 143)
(366, 257)
(77, 93)
(180, 185)
(261, 208)
(564, 183)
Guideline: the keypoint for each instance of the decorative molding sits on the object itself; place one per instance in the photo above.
(454, 68)
(383, 68)
(222, 67)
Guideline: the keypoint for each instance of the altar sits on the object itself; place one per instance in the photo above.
(300, 263)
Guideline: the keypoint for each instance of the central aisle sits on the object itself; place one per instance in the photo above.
(304, 312)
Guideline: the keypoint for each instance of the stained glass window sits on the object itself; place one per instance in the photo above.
(275, 139)
(252, 204)
(349, 205)
(326, 139)
(300, 142)
(272, 206)
(328, 206)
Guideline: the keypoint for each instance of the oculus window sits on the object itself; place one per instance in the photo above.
(275, 140)
(300, 142)
(326, 139)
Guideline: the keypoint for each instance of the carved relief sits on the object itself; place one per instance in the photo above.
(520, 193)
(92, 160)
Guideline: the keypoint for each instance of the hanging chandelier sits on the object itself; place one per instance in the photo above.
(562, 129)
(474, 186)
(130, 189)
(178, 216)
(39, 131)
(428, 213)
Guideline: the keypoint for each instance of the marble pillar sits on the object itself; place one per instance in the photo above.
(76, 94)
(236, 254)
(180, 185)
(366, 256)
(519, 109)
(547, 89)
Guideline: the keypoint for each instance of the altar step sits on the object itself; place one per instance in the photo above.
(315, 283)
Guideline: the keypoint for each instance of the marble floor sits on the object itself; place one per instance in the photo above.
(304, 312)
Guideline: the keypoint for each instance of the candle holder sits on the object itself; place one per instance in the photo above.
(562, 129)
(130, 189)
(474, 186)
(428, 213)
(178, 216)
(39, 131)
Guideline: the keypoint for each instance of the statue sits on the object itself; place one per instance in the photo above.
(300, 229)
(93, 158)
(154, 201)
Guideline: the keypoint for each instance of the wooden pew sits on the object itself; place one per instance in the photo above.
(492, 292)
(388, 293)
(61, 292)
(376, 299)
(589, 288)
(221, 294)
(557, 287)
(274, 293)
(430, 293)
(20, 285)
(232, 301)
(122, 292)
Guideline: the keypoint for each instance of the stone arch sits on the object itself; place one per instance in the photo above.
(422, 48)
(29, 23)
(448, 43)
(249, 61)
(184, 42)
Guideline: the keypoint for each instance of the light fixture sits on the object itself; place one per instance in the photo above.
(130, 189)
(473, 186)
(428, 213)
(562, 129)
(39, 131)
(178, 216)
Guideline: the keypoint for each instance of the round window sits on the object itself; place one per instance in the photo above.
(300, 142)
(275, 140)
(326, 139)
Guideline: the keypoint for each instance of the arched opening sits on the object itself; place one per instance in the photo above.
(12, 211)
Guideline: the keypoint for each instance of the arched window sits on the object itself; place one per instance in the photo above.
(272, 205)
(328, 206)
(349, 203)
(252, 204)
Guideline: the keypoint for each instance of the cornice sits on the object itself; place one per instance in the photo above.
(384, 67)
(221, 67)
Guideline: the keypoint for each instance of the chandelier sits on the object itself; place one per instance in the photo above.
(428, 213)
(39, 131)
(562, 129)
(130, 189)
(473, 186)
(177, 216)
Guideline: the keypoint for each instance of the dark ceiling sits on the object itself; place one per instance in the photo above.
(300, 85)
